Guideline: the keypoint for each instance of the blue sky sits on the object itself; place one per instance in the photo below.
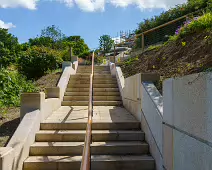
(75, 18)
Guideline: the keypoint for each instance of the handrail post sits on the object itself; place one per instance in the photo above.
(86, 158)
(143, 43)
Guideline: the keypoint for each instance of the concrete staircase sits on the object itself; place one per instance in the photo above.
(106, 92)
(118, 142)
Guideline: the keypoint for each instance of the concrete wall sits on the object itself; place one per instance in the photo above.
(152, 120)
(145, 102)
(68, 70)
(188, 122)
(35, 108)
(177, 126)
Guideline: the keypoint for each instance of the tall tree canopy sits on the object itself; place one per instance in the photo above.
(9, 48)
(105, 43)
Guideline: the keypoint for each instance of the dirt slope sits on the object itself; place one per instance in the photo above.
(191, 54)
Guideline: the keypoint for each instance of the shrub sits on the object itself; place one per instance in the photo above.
(12, 84)
(192, 6)
(36, 61)
(197, 24)
(84, 55)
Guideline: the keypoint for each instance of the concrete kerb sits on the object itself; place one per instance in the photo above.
(6, 157)
(31, 102)
(68, 70)
(53, 92)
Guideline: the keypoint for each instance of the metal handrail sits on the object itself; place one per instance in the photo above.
(86, 158)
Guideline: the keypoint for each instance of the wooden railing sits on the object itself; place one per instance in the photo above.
(86, 158)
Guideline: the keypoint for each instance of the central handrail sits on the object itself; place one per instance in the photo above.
(86, 158)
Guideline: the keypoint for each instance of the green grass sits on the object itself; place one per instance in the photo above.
(154, 47)
(131, 60)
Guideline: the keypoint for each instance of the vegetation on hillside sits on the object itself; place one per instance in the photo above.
(12, 84)
(174, 13)
(192, 7)
(187, 52)
(22, 64)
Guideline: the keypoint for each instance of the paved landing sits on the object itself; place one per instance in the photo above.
(67, 114)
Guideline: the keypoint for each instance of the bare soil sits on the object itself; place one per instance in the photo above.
(8, 124)
(175, 59)
(49, 80)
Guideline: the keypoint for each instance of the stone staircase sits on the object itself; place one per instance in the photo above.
(118, 142)
(106, 92)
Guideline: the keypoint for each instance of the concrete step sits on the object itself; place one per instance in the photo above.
(95, 89)
(95, 67)
(95, 71)
(72, 78)
(98, 162)
(61, 125)
(72, 85)
(94, 82)
(97, 148)
(97, 136)
(95, 93)
(95, 98)
(95, 103)
(96, 76)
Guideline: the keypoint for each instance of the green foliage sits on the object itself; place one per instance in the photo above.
(105, 43)
(84, 55)
(36, 61)
(162, 34)
(78, 44)
(41, 41)
(9, 48)
(202, 23)
(53, 33)
(154, 47)
(131, 60)
(12, 84)
(99, 59)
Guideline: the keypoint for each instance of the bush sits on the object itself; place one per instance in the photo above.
(192, 6)
(36, 61)
(197, 24)
(12, 84)
(84, 55)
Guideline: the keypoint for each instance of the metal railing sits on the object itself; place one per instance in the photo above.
(159, 34)
(86, 158)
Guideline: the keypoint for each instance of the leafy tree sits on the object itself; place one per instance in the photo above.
(105, 43)
(42, 41)
(78, 44)
(9, 48)
(36, 61)
(53, 33)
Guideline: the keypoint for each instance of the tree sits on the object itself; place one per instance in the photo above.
(105, 43)
(78, 44)
(53, 32)
(9, 48)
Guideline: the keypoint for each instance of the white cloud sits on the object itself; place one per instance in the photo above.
(6, 25)
(30, 4)
(95, 5)
(99, 5)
